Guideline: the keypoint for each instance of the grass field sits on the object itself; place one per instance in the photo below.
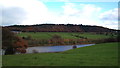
(65, 35)
(105, 54)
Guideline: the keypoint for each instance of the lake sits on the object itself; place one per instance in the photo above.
(41, 49)
(44, 49)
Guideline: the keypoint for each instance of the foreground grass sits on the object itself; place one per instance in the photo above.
(97, 55)
(65, 35)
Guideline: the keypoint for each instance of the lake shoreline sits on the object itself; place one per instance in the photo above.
(51, 49)
(62, 45)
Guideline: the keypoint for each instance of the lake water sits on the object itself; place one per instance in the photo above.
(41, 49)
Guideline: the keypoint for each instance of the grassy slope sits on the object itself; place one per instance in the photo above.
(96, 55)
(65, 35)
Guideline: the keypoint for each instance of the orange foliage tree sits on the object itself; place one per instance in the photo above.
(20, 45)
(11, 43)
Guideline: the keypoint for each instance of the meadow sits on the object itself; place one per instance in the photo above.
(104, 54)
(65, 38)
(65, 35)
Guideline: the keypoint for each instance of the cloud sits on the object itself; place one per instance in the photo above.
(109, 15)
(13, 15)
(35, 12)
(23, 12)
(69, 9)
(110, 18)
(89, 14)
(75, 14)
(81, 13)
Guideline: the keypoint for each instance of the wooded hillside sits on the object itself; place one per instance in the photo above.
(59, 28)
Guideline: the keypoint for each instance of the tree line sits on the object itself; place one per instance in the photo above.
(59, 28)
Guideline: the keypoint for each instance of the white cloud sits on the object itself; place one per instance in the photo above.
(110, 18)
(70, 9)
(13, 15)
(75, 14)
(37, 13)
(81, 13)
(90, 10)
(35, 10)
(110, 24)
(110, 15)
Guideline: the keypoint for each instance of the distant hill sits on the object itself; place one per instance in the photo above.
(59, 28)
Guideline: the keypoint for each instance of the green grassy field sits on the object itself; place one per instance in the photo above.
(105, 54)
(65, 35)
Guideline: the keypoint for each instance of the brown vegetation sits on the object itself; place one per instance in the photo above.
(11, 43)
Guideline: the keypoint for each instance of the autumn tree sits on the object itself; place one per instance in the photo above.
(20, 45)
(11, 43)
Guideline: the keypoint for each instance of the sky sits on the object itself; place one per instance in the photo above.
(29, 12)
